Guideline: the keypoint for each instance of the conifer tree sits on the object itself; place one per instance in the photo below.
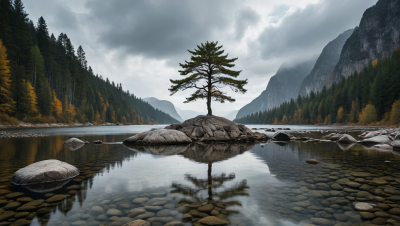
(56, 106)
(208, 73)
(7, 104)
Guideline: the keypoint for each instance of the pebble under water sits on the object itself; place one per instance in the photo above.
(245, 184)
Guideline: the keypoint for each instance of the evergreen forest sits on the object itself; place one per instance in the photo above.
(370, 97)
(43, 79)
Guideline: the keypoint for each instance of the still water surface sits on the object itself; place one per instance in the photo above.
(248, 184)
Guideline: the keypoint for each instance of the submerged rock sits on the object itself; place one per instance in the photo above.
(347, 139)
(312, 161)
(213, 128)
(159, 136)
(74, 144)
(98, 142)
(44, 171)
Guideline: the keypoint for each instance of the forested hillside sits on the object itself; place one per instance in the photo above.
(371, 96)
(43, 79)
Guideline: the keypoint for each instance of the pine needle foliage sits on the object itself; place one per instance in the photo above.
(208, 71)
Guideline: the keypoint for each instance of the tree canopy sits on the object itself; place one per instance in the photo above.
(208, 71)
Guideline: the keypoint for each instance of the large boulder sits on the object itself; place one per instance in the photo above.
(213, 128)
(280, 136)
(159, 136)
(43, 172)
(336, 137)
(347, 139)
(74, 144)
(381, 139)
(396, 144)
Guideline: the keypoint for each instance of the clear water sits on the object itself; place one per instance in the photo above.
(250, 184)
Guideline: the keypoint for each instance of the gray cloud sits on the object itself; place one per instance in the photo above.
(159, 29)
(246, 18)
(311, 28)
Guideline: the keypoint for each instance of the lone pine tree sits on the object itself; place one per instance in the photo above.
(208, 73)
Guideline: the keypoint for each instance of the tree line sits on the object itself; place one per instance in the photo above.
(43, 79)
(369, 97)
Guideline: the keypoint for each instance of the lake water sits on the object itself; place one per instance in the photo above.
(246, 184)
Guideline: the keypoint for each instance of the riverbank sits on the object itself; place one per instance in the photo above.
(55, 125)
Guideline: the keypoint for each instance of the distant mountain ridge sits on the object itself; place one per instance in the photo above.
(231, 115)
(164, 106)
(376, 37)
(325, 65)
(188, 114)
(282, 87)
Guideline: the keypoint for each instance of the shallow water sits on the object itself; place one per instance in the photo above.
(250, 184)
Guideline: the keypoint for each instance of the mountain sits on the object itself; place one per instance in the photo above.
(188, 114)
(376, 37)
(281, 88)
(325, 65)
(232, 115)
(165, 106)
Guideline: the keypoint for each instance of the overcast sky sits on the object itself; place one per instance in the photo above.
(140, 43)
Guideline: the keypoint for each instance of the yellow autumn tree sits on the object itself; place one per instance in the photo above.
(70, 113)
(56, 106)
(340, 114)
(31, 99)
(7, 104)
(374, 62)
(395, 113)
(368, 115)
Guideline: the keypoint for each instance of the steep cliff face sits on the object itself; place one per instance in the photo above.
(165, 106)
(325, 65)
(376, 37)
(281, 88)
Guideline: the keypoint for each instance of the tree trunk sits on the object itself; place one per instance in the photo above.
(209, 97)
(209, 183)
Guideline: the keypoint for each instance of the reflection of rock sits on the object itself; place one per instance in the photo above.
(345, 146)
(74, 144)
(44, 171)
(206, 153)
(159, 136)
(159, 149)
(46, 187)
(212, 128)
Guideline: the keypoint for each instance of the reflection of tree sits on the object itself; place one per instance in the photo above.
(213, 184)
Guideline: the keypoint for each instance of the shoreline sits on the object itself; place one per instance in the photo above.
(55, 125)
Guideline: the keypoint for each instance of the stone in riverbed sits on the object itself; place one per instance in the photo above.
(347, 139)
(206, 208)
(44, 171)
(280, 136)
(321, 221)
(114, 212)
(74, 144)
(396, 144)
(211, 220)
(138, 223)
(363, 206)
(312, 161)
(56, 198)
(140, 200)
(382, 139)
(97, 210)
(159, 136)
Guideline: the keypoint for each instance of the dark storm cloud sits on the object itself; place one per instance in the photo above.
(311, 28)
(159, 29)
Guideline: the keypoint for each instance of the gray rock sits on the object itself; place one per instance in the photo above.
(396, 144)
(114, 212)
(74, 144)
(381, 139)
(280, 136)
(347, 139)
(212, 128)
(159, 136)
(44, 171)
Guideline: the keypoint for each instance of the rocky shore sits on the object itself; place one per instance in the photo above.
(4, 134)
